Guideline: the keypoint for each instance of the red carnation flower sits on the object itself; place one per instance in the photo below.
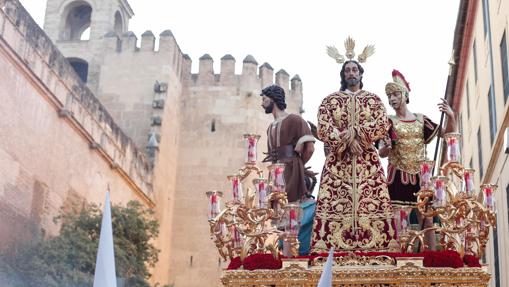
(447, 258)
(261, 261)
(235, 263)
(471, 261)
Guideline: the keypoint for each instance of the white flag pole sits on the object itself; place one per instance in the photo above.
(105, 264)
(326, 278)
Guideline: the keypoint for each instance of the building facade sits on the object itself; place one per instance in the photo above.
(478, 87)
(85, 105)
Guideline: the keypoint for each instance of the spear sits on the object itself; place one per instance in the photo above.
(442, 116)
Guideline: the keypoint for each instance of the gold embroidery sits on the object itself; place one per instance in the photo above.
(353, 104)
(354, 210)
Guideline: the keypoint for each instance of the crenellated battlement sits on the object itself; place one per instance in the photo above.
(128, 43)
(148, 41)
(263, 75)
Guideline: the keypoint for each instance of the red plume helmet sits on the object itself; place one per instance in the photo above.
(397, 77)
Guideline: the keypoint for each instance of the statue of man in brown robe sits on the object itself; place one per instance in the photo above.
(289, 140)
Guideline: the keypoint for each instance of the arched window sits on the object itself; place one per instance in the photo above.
(80, 66)
(119, 25)
(77, 18)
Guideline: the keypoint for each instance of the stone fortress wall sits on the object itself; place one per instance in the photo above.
(127, 116)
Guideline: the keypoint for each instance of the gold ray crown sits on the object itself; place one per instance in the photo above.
(333, 52)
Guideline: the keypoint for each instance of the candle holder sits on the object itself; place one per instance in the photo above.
(276, 177)
(465, 217)
(468, 182)
(488, 199)
(426, 174)
(214, 206)
(278, 197)
(440, 193)
(291, 222)
(402, 217)
(452, 141)
(402, 220)
(262, 191)
(236, 183)
(250, 142)
(246, 225)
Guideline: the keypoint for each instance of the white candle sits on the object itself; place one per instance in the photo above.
(469, 182)
(426, 175)
(440, 192)
(453, 146)
(251, 149)
(237, 189)
(489, 198)
(293, 222)
(214, 205)
(262, 194)
(404, 220)
(279, 180)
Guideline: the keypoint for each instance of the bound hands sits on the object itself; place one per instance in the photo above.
(352, 141)
(355, 147)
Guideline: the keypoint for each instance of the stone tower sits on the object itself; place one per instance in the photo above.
(78, 27)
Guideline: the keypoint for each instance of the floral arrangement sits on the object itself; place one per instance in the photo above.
(256, 261)
(447, 258)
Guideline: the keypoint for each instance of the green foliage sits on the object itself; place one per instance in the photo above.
(69, 258)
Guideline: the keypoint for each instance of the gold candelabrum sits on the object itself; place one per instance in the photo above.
(466, 214)
(254, 221)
